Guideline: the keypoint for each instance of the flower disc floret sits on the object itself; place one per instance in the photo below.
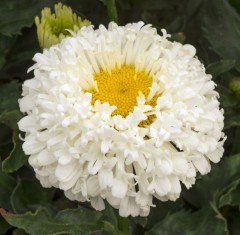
(120, 114)
(120, 87)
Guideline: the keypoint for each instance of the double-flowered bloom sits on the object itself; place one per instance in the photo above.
(120, 114)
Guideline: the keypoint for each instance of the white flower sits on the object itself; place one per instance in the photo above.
(120, 114)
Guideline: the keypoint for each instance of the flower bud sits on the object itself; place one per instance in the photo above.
(52, 28)
(235, 86)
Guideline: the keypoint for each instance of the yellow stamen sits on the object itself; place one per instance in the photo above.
(121, 88)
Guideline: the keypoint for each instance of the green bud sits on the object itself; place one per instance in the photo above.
(52, 28)
(235, 86)
(178, 37)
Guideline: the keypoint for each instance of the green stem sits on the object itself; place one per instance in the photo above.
(124, 225)
(112, 10)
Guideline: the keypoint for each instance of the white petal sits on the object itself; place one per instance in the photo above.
(32, 146)
(93, 186)
(105, 177)
(63, 172)
(128, 207)
(45, 158)
(163, 186)
(202, 164)
(119, 188)
(97, 203)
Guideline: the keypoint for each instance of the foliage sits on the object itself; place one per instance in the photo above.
(212, 206)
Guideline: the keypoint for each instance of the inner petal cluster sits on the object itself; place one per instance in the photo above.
(120, 88)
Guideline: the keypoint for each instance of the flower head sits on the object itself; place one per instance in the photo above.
(120, 114)
(52, 28)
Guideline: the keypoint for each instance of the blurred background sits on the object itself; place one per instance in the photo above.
(210, 207)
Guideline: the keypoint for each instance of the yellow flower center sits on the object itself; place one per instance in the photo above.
(121, 88)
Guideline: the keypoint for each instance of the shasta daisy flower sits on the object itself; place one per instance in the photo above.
(120, 114)
(52, 28)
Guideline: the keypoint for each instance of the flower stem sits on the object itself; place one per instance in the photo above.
(112, 10)
(124, 225)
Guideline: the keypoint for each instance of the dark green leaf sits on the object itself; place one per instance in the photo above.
(233, 121)
(9, 95)
(203, 222)
(4, 226)
(19, 59)
(5, 136)
(178, 24)
(23, 199)
(5, 45)
(232, 195)
(235, 143)
(110, 216)
(161, 210)
(19, 232)
(209, 187)
(11, 118)
(7, 184)
(227, 97)
(2, 60)
(16, 157)
(154, 5)
(15, 15)
(76, 221)
(236, 4)
(221, 28)
(73, 215)
(191, 8)
(38, 223)
(220, 67)
(140, 220)
(84, 220)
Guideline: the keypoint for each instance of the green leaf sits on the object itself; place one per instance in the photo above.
(5, 45)
(153, 5)
(236, 4)
(22, 198)
(161, 210)
(227, 97)
(73, 215)
(38, 223)
(220, 67)
(76, 222)
(15, 15)
(221, 28)
(4, 226)
(9, 94)
(5, 136)
(19, 59)
(110, 216)
(235, 142)
(16, 158)
(19, 232)
(210, 186)
(7, 184)
(84, 221)
(203, 222)
(233, 121)
(232, 195)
